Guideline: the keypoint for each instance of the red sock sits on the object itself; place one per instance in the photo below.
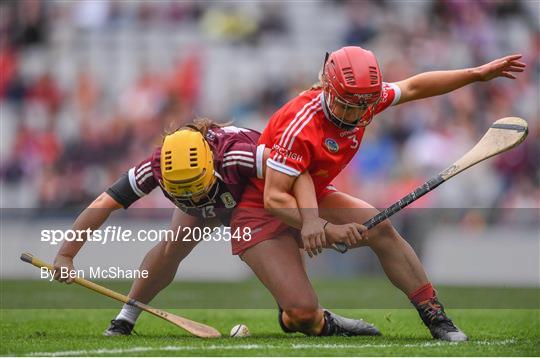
(423, 293)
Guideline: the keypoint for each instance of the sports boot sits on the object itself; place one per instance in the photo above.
(438, 323)
(336, 325)
(119, 327)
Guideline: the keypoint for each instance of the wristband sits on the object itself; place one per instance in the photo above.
(324, 226)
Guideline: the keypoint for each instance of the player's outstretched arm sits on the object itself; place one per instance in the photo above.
(435, 83)
(91, 218)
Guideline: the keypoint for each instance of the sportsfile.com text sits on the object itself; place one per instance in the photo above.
(119, 234)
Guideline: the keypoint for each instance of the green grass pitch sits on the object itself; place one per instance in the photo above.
(493, 331)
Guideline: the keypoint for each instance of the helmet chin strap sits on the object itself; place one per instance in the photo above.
(336, 121)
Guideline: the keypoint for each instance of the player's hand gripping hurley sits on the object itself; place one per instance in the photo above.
(195, 328)
(503, 135)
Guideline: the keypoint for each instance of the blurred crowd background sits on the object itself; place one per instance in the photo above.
(88, 87)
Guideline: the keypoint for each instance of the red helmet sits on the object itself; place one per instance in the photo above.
(352, 86)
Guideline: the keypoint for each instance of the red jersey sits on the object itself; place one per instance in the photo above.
(302, 138)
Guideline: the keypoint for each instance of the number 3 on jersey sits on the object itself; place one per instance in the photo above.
(355, 143)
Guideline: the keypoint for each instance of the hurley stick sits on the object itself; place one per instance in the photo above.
(503, 135)
(195, 328)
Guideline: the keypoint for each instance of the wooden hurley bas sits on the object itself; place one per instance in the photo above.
(503, 135)
(195, 328)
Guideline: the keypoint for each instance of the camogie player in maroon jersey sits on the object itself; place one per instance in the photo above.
(318, 133)
(203, 169)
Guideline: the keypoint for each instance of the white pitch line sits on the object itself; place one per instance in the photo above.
(407, 345)
(265, 346)
(147, 349)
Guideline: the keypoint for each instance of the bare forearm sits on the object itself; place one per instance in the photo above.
(284, 207)
(439, 82)
(284, 195)
(91, 218)
(429, 84)
(306, 199)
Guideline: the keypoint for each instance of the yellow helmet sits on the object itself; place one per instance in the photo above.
(187, 165)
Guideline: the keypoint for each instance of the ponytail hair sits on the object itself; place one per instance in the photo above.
(202, 124)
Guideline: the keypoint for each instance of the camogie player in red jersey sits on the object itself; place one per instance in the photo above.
(202, 169)
(319, 132)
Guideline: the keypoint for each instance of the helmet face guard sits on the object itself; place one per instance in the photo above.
(345, 114)
(187, 166)
(183, 193)
(196, 200)
(352, 86)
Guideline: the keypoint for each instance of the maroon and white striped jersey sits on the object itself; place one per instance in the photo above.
(237, 157)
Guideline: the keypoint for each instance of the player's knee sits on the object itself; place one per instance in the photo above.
(383, 236)
(303, 317)
(174, 252)
(384, 231)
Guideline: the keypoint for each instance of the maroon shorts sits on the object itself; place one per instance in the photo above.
(251, 217)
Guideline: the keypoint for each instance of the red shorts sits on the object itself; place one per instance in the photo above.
(262, 225)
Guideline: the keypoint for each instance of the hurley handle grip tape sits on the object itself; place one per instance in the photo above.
(397, 206)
